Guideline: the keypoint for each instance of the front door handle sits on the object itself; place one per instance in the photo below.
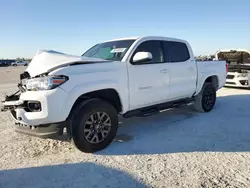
(164, 71)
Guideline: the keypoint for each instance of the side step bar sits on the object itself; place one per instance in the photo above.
(148, 112)
(152, 110)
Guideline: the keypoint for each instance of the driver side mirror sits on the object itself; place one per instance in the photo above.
(142, 57)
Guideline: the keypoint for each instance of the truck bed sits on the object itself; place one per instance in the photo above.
(210, 68)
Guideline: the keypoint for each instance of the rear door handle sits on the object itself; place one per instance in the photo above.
(164, 71)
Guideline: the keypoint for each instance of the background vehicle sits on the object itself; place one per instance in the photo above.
(20, 63)
(6, 62)
(129, 77)
(3, 64)
(238, 66)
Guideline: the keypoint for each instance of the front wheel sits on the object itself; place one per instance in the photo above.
(205, 100)
(94, 125)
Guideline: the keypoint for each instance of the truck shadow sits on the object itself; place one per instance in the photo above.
(225, 129)
(67, 175)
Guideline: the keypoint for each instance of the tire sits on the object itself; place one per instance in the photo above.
(79, 122)
(206, 99)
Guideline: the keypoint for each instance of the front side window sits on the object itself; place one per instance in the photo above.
(154, 47)
(176, 51)
(114, 50)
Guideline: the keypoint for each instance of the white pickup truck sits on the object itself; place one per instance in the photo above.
(84, 95)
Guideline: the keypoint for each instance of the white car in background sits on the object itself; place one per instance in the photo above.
(238, 67)
(20, 63)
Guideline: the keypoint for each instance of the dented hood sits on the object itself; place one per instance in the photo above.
(47, 60)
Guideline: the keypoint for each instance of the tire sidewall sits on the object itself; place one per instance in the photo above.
(82, 116)
(206, 88)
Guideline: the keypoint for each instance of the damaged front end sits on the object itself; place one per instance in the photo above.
(13, 101)
(25, 111)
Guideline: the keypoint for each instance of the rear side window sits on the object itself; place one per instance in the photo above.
(176, 51)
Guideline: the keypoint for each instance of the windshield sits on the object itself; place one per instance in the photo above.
(114, 50)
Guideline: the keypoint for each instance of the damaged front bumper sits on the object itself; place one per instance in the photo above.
(42, 131)
(34, 122)
(10, 105)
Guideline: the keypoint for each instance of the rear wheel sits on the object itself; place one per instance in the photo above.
(94, 125)
(205, 100)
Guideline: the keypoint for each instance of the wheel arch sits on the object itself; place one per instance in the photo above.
(110, 95)
(213, 79)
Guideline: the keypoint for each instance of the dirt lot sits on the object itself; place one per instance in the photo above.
(177, 148)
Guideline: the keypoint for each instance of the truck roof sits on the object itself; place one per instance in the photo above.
(148, 38)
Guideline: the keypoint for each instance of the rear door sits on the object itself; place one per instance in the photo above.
(182, 69)
(148, 81)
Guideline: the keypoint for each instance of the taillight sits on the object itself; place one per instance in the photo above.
(226, 67)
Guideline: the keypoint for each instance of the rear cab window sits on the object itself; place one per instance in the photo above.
(175, 51)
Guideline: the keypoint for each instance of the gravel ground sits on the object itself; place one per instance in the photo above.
(176, 148)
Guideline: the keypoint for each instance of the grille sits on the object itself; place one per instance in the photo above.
(230, 76)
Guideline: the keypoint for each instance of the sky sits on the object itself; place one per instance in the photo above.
(74, 26)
